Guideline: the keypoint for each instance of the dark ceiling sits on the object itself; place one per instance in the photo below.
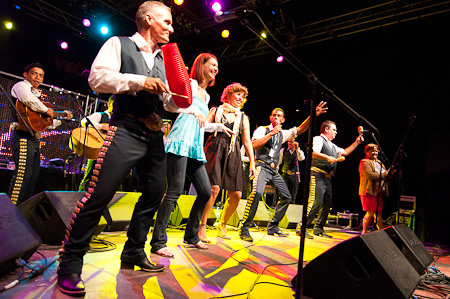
(293, 23)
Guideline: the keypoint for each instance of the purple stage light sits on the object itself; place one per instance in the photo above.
(280, 59)
(64, 45)
(216, 6)
(86, 22)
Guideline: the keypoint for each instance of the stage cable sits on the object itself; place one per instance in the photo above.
(35, 271)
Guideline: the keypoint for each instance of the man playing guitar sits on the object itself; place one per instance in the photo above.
(25, 144)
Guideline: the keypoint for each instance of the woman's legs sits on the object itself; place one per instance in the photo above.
(215, 189)
(196, 172)
(228, 210)
(176, 173)
(367, 221)
(380, 224)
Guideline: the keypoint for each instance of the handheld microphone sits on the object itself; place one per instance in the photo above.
(221, 16)
(362, 131)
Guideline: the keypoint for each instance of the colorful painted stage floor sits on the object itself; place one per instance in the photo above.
(228, 268)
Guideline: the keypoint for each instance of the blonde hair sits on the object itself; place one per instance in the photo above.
(233, 88)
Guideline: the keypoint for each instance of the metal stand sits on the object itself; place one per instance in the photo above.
(273, 43)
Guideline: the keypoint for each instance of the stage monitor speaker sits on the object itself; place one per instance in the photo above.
(369, 266)
(261, 218)
(49, 213)
(292, 217)
(411, 247)
(17, 237)
(120, 210)
(180, 213)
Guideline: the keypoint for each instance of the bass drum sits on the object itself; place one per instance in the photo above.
(86, 142)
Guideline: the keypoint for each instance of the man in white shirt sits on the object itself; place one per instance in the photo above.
(290, 171)
(132, 69)
(267, 141)
(325, 155)
(25, 144)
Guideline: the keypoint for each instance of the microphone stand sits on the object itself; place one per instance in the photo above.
(299, 66)
(400, 154)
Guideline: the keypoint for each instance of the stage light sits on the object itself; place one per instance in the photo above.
(178, 2)
(225, 33)
(216, 6)
(17, 7)
(86, 23)
(9, 25)
(280, 59)
(104, 30)
(263, 35)
(64, 45)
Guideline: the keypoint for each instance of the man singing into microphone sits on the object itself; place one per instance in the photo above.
(325, 155)
(267, 141)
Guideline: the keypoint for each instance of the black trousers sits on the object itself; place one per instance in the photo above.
(292, 184)
(120, 153)
(264, 174)
(320, 195)
(26, 157)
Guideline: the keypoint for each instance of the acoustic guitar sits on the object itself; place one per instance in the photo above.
(38, 122)
(86, 142)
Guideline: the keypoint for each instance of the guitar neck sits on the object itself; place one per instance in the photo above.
(59, 114)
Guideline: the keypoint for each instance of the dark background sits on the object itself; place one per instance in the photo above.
(386, 75)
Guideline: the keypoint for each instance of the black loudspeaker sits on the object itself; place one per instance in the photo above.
(17, 237)
(180, 213)
(369, 266)
(292, 217)
(411, 247)
(49, 213)
(261, 218)
(120, 210)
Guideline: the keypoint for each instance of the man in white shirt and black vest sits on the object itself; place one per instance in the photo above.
(267, 141)
(325, 154)
(290, 171)
(132, 69)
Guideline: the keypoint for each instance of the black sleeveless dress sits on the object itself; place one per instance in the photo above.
(224, 168)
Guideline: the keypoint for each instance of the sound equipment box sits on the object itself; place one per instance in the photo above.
(292, 217)
(120, 209)
(17, 237)
(411, 247)
(180, 213)
(49, 213)
(368, 266)
(261, 218)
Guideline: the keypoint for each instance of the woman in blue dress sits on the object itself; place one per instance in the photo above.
(186, 157)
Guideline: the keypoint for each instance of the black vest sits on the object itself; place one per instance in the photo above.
(105, 118)
(263, 153)
(324, 164)
(142, 103)
(289, 161)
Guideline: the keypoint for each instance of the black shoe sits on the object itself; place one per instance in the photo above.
(307, 235)
(320, 232)
(71, 284)
(278, 232)
(246, 236)
(144, 264)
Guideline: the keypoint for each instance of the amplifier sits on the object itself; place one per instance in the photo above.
(348, 219)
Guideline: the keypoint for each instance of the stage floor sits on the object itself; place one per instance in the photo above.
(236, 268)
